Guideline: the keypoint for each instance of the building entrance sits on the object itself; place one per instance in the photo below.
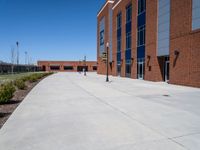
(166, 71)
(140, 70)
(119, 70)
(128, 70)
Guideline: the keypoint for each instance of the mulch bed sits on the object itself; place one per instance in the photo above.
(7, 109)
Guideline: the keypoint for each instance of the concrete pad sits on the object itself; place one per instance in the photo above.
(68, 111)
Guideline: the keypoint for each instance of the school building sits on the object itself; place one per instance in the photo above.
(155, 40)
(68, 66)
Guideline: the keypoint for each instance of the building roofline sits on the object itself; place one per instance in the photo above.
(64, 61)
(102, 8)
(116, 4)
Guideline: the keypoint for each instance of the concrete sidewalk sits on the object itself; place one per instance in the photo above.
(68, 111)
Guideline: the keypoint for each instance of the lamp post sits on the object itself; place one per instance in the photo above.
(17, 43)
(107, 48)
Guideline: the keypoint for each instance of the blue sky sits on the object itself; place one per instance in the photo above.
(49, 29)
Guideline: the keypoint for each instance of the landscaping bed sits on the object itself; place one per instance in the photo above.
(13, 93)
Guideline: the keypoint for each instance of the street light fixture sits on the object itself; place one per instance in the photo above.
(107, 48)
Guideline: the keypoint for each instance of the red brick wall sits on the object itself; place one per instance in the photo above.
(155, 73)
(186, 69)
(104, 13)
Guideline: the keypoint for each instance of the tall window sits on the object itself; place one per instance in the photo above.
(141, 38)
(128, 13)
(119, 22)
(141, 35)
(102, 38)
(141, 29)
(128, 26)
(141, 6)
(128, 39)
(119, 37)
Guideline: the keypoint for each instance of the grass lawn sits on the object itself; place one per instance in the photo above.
(11, 77)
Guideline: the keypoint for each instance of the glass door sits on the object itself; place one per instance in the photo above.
(119, 70)
(140, 70)
(166, 71)
(128, 70)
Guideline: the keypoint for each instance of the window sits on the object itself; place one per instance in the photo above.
(141, 6)
(102, 37)
(119, 45)
(195, 14)
(128, 13)
(94, 68)
(141, 36)
(128, 26)
(68, 68)
(128, 41)
(119, 22)
(55, 67)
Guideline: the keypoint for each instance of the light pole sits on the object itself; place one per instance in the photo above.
(17, 43)
(107, 48)
(85, 65)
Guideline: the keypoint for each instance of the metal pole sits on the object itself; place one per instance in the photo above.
(17, 43)
(107, 79)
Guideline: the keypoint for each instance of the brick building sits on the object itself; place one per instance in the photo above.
(68, 66)
(155, 40)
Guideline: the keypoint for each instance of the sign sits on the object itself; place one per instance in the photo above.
(104, 56)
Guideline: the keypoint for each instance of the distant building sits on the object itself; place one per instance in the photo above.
(155, 40)
(68, 66)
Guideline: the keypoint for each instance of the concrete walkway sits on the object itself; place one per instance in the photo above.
(68, 111)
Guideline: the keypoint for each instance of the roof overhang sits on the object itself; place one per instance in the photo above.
(116, 4)
(108, 2)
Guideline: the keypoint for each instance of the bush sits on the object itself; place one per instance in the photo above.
(33, 78)
(6, 92)
(20, 84)
(25, 78)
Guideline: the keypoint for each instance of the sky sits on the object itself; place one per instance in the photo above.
(49, 29)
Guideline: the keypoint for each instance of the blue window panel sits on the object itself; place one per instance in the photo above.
(102, 38)
(141, 52)
(141, 6)
(118, 57)
(128, 54)
(195, 14)
(119, 33)
(128, 27)
(141, 19)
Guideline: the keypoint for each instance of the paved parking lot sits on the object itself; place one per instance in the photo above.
(68, 111)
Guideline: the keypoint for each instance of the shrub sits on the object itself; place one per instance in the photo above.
(33, 78)
(25, 78)
(6, 92)
(20, 84)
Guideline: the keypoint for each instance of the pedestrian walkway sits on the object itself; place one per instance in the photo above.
(68, 111)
